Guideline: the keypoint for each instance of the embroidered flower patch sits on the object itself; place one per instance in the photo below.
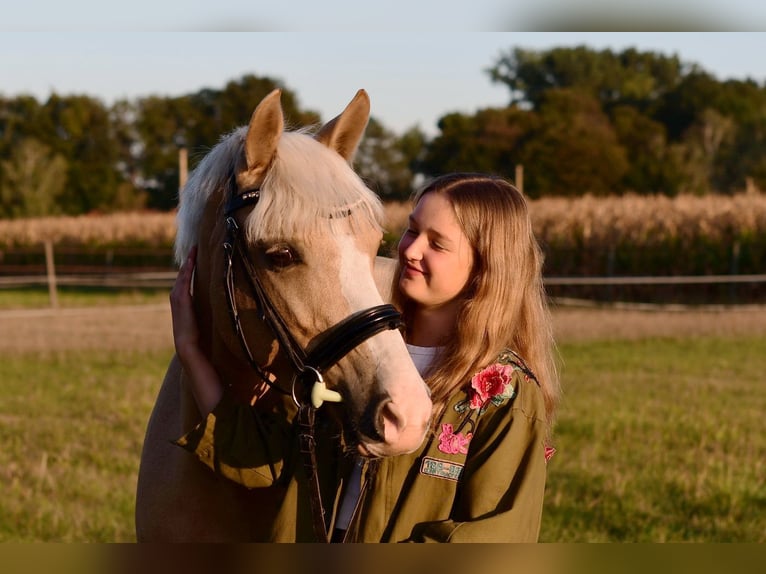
(492, 384)
(549, 452)
(452, 443)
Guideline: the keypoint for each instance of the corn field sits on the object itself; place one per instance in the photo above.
(585, 236)
(92, 231)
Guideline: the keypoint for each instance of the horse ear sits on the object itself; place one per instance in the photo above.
(263, 133)
(344, 132)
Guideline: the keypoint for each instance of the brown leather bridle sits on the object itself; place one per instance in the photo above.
(307, 387)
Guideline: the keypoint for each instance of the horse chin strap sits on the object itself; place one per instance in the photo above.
(333, 345)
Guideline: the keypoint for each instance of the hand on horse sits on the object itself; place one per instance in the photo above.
(185, 330)
(204, 381)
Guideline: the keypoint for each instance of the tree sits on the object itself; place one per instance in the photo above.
(80, 130)
(680, 108)
(161, 125)
(489, 141)
(573, 149)
(130, 194)
(385, 161)
(197, 121)
(653, 166)
(700, 146)
(239, 97)
(34, 180)
(638, 78)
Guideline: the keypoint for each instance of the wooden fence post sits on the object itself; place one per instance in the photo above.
(520, 178)
(50, 269)
(183, 167)
(611, 258)
(736, 248)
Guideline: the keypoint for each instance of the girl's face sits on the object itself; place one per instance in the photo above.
(434, 253)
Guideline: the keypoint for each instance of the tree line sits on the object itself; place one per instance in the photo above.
(579, 120)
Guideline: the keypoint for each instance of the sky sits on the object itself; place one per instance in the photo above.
(413, 78)
(387, 16)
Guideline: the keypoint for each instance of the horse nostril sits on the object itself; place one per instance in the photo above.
(392, 426)
(383, 413)
(371, 423)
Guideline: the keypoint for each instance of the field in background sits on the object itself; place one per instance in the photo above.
(71, 425)
(659, 434)
(696, 249)
(575, 222)
(660, 440)
(38, 297)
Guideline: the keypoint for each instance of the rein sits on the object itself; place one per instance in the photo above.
(333, 345)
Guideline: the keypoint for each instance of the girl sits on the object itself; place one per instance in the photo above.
(469, 286)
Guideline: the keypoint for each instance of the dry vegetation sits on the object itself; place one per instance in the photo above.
(155, 229)
(576, 222)
(640, 220)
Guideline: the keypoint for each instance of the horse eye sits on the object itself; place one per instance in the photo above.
(282, 256)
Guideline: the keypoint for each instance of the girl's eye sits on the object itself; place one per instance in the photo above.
(282, 256)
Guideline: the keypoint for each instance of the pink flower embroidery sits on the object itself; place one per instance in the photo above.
(494, 381)
(451, 443)
(549, 452)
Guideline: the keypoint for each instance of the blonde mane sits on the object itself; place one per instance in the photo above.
(307, 187)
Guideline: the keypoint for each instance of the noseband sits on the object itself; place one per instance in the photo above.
(333, 345)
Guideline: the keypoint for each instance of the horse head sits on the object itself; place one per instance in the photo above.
(287, 235)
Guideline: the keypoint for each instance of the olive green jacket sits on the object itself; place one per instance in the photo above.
(480, 477)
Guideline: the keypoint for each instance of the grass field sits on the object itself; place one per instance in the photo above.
(72, 424)
(76, 296)
(659, 438)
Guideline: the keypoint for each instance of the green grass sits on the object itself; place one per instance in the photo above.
(37, 297)
(658, 440)
(71, 426)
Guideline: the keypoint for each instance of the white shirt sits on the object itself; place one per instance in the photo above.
(423, 357)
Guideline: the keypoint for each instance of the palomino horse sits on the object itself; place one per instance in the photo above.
(310, 230)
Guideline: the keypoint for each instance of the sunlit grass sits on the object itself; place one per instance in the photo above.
(71, 426)
(38, 297)
(660, 440)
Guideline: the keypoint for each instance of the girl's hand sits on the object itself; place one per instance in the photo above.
(201, 377)
(185, 330)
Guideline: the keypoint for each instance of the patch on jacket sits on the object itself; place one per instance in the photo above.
(441, 468)
(451, 442)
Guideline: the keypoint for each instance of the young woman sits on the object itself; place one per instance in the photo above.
(469, 286)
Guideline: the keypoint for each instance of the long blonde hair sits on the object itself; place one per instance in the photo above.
(504, 304)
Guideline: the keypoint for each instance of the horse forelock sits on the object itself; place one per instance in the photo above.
(307, 187)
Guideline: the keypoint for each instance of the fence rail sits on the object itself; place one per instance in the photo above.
(669, 280)
(47, 273)
(166, 278)
(153, 279)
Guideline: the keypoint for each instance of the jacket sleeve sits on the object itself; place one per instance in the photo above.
(500, 495)
(240, 443)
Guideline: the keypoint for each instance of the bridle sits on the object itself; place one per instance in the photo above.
(308, 389)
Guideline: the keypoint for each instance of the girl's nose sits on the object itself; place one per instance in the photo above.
(413, 251)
